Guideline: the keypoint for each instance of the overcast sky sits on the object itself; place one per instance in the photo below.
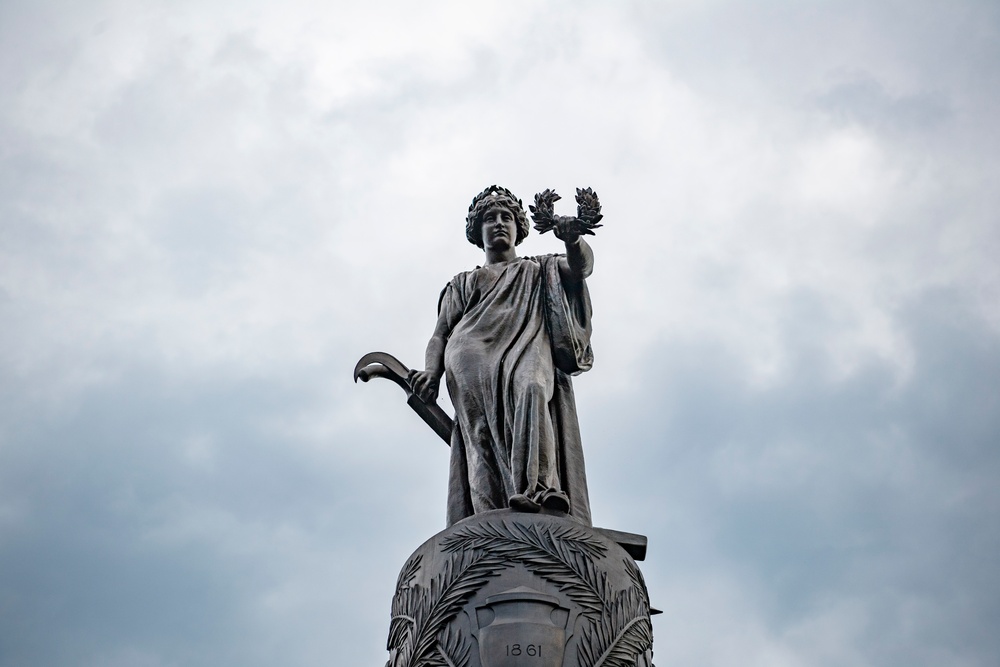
(210, 210)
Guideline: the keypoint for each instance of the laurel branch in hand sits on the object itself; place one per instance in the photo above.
(588, 212)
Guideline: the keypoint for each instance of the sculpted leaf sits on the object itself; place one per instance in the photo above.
(553, 554)
(454, 648)
(623, 634)
(543, 210)
(419, 615)
(588, 213)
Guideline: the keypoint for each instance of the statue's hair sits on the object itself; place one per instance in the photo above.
(494, 195)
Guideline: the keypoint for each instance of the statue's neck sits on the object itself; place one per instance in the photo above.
(500, 256)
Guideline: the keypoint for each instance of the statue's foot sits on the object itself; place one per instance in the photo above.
(555, 500)
(522, 503)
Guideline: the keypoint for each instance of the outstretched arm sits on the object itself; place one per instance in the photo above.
(578, 263)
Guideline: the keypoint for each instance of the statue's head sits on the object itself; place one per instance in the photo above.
(492, 197)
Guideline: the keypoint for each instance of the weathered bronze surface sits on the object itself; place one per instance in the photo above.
(509, 335)
(513, 589)
(520, 578)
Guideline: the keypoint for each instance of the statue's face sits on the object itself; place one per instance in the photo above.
(499, 228)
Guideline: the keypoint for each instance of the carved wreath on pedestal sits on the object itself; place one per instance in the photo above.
(616, 628)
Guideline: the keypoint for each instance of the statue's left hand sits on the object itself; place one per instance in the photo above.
(567, 229)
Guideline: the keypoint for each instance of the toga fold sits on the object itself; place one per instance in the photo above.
(518, 332)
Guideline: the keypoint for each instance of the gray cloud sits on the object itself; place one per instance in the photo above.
(819, 492)
(208, 213)
(865, 101)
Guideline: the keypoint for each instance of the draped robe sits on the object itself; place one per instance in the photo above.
(517, 333)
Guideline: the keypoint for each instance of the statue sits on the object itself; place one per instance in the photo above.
(519, 576)
(509, 335)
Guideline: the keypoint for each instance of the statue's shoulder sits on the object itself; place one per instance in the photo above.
(473, 276)
(545, 261)
(462, 280)
(462, 277)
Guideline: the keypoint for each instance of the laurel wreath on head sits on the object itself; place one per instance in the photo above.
(481, 202)
(588, 212)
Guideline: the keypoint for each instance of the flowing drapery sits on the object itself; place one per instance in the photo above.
(518, 332)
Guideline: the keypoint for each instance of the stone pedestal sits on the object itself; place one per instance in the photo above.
(509, 589)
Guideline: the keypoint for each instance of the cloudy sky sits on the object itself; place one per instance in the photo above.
(210, 210)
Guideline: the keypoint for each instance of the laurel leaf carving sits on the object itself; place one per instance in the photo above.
(543, 210)
(588, 213)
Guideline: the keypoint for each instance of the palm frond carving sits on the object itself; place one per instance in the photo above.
(621, 635)
(616, 630)
(562, 556)
(418, 615)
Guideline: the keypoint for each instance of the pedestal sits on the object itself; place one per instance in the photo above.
(510, 589)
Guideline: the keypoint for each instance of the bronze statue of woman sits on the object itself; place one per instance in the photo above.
(509, 335)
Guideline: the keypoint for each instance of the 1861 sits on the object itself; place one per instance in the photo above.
(530, 650)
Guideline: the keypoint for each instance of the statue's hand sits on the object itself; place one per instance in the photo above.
(567, 229)
(425, 384)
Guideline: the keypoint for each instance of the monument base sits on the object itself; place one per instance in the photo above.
(510, 589)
